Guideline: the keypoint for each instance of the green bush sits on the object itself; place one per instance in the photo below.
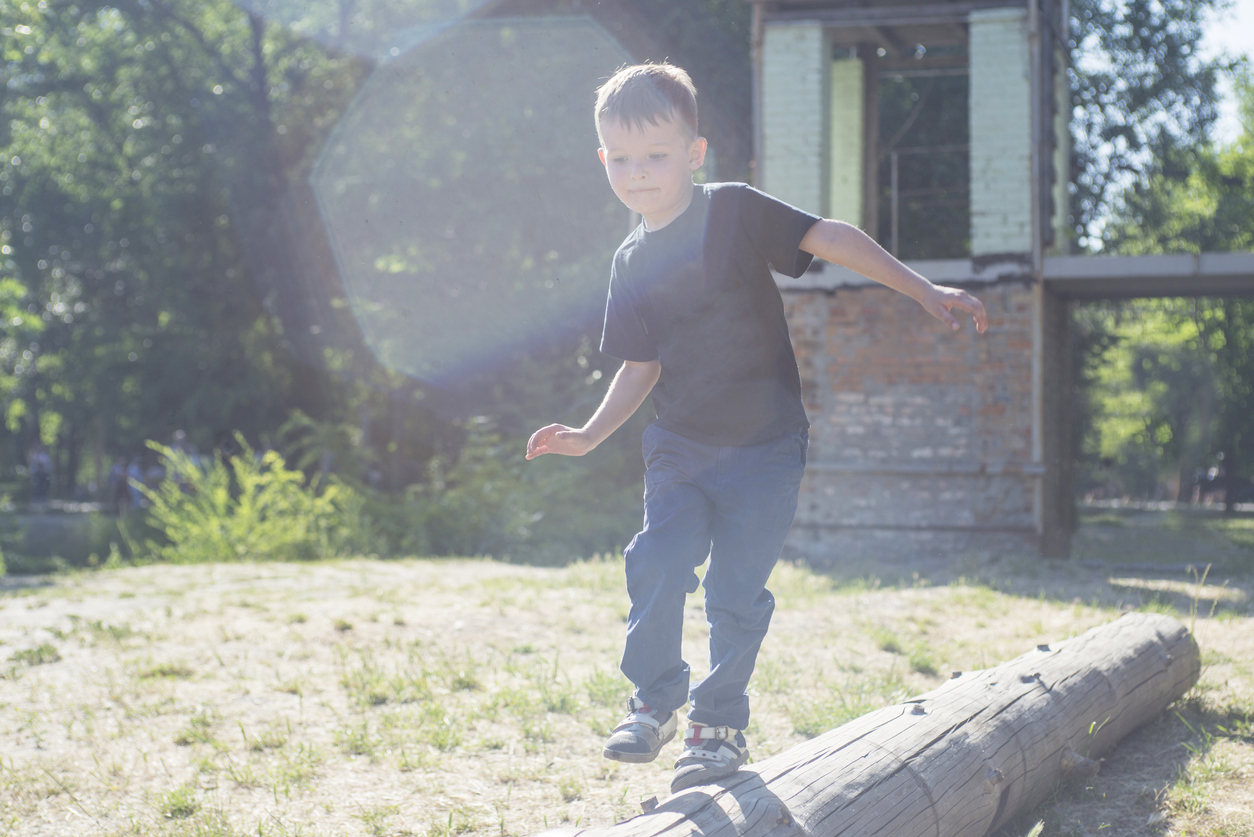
(487, 500)
(250, 507)
(490, 501)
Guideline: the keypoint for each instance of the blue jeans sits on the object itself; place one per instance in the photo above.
(733, 505)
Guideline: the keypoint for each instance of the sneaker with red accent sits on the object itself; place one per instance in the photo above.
(710, 753)
(642, 734)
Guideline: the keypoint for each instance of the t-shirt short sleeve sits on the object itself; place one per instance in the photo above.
(625, 336)
(776, 229)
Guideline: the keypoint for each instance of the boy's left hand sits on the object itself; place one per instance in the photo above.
(940, 300)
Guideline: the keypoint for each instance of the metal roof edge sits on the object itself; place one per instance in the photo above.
(830, 277)
(1176, 274)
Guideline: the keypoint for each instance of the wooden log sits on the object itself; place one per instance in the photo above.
(959, 760)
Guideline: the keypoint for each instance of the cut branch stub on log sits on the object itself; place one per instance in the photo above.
(958, 761)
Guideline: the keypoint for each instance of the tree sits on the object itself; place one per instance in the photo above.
(1153, 396)
(163, 267)
(143, 143)
(1201, 199)
(1139, 92)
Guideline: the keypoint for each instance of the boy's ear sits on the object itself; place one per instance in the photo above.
(696, 153)
(601, 154)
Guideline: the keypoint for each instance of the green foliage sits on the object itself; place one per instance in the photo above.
(179, 803)
(155, 264)
(249, 507)
(37, 656)
(1154, 397)
(490, 501)
(133, 310)
(1198, 199)
(1138, 87)
(843, 703)
(1169, 384)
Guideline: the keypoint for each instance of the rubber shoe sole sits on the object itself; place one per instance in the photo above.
(702, 773)
(619, 753)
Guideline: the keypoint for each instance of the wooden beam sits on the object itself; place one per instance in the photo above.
(1072, 277)
(918, 15)
(959, 760)
(896, 48)
(1126, 277)
(870, 138)
(1057, 492)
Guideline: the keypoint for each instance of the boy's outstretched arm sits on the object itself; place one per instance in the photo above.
(848, 246)
(627, 392)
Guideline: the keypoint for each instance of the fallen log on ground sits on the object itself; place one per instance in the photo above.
(959, 760)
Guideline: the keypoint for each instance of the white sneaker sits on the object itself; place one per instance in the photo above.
(642, 734)
(710, 753)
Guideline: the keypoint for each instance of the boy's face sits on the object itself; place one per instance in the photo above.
(650, 167)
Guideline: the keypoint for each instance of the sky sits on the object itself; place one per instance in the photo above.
(1231, 31)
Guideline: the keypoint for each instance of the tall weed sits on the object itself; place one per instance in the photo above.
(489, 501)
(250, 507)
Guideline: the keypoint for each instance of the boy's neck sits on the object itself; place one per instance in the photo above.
(655, 224)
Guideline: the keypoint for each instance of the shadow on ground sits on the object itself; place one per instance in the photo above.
(1130, 796)
(1195, 565)
(1179, 562)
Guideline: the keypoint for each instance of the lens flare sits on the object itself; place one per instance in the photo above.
(463, 198)
(369, 28)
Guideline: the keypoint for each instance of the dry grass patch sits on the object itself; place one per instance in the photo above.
(471, 697)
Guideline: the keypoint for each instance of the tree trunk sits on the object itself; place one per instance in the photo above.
(959, 760)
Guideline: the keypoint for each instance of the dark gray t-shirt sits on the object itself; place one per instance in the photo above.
(698, 296)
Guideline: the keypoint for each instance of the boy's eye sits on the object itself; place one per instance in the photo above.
(657, 155)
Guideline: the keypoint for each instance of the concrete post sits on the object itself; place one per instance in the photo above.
(845, 192)
(1001, 145)
(795, 78)
(1057, 511)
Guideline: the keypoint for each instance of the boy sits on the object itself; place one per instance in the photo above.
(697, 320)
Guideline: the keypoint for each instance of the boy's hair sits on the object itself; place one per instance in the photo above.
(648, 93)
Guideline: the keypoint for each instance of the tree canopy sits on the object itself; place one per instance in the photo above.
(1140, 87)
(165, 266)
(1173, 380)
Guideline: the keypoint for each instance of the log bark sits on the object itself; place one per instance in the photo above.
(958, 761)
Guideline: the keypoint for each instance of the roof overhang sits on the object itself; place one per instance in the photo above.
(1125, 277)
(896, 27)
(1075, 277)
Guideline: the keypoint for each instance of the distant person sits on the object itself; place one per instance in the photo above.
(135, 482)
(697, 319)
(119, 487)
(39, 462)
(181, 476)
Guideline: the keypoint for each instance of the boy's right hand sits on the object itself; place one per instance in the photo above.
(558, 438)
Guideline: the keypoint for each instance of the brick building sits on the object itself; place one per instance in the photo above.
(924, 442)
(939, 128)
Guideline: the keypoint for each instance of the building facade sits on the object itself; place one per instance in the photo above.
(941, 130)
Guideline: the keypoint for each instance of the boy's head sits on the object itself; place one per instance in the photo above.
(647, 93)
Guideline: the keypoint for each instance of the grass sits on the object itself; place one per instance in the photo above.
(852, 698)
(1168, 537)
(167, 671)
(41, 654)
(199, 730)
(433, 698)
(179, 803)
(886, 640)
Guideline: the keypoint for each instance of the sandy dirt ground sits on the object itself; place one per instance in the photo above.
(449, 697)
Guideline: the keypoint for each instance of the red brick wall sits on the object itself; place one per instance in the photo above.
(919, 435)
